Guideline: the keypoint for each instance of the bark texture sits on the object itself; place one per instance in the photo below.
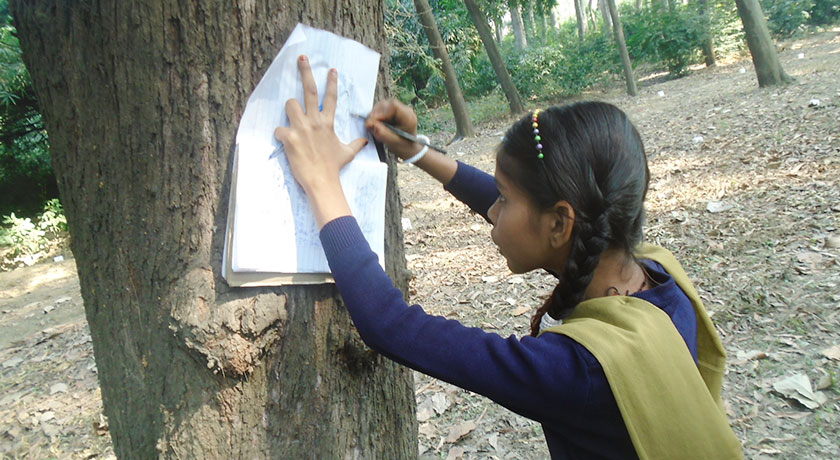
(463, 125)
(480, 22)
(142, 99)
(768, 69)
(618, 32)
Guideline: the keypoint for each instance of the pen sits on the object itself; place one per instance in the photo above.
(397, 131)
(405, 135)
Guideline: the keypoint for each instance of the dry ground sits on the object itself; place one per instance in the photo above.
(751, 210)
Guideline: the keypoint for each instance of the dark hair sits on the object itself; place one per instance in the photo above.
(595, 160)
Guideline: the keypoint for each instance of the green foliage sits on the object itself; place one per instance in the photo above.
(26, 175)
(787, 17)
(673, 38)
(562, 67)
(825, 12)
(26, 237)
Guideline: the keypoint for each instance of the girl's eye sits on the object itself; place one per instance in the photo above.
(502, 198)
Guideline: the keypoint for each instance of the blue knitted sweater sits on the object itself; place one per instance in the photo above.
(551, 379)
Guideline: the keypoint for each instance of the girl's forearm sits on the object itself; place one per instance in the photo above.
(327, 201)
(438, 166)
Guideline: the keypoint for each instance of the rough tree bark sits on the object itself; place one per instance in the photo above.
(480, 22)
(463, 126)
(618, 32)
(768, 69)
(519, 36)
(142, 100)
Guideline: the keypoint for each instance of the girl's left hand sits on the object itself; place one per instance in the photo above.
(315, 153)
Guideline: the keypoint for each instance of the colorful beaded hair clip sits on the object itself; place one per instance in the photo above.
(536, 125)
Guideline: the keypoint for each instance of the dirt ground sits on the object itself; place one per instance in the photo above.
(745, 189)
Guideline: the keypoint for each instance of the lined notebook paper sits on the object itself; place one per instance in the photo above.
(271, 236)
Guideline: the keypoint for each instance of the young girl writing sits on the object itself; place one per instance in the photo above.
(622, 361)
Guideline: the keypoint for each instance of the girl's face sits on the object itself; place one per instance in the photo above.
(520, 230)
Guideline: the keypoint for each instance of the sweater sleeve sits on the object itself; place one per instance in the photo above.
(473, 187)
(515, 373)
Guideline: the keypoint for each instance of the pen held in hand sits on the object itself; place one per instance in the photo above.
(397, 131)
(405, 135)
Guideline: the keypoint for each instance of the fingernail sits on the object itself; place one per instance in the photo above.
(333, 72)
(302, 58)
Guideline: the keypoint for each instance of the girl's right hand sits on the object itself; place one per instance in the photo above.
(400, 116)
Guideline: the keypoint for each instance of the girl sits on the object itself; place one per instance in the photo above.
(623, 361)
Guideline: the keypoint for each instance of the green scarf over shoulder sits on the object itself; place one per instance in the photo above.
(672, 408)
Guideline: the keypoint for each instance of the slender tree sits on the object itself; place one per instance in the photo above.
(453, 89)
(708, 38)
(605, 14)
(511, 93)
(768, 69)
(142, 100)
(622, 49)
(581, 19)
(520, 39)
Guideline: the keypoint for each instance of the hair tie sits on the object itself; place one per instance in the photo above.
(535, 123)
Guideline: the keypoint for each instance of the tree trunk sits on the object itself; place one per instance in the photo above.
(519, 37)
(453, 89)
(552, 18)
(767, 66)
(605, 13)
(530, 25)
(708, 40)
(581, 20)
(622, 49)
(480, 22)
(497, 26)
(142, 99)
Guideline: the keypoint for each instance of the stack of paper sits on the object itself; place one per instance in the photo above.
(271, 236)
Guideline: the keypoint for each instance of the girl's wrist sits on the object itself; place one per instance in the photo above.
(327, 200)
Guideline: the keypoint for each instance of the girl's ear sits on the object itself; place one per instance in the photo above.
(562, 222)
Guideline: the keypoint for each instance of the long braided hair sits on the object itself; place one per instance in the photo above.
(595, 160)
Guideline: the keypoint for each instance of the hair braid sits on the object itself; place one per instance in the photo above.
(589, 241)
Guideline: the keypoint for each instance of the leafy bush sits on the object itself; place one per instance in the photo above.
(673, 38)
(824, 12)
(27, 238)
(563, 67)
(26, 175)
(787, 17)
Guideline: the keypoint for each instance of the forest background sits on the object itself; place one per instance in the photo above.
(554, 62)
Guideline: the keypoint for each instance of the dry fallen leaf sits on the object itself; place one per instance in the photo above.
(798, 387)
(832, 352)
(455, 453)
(460, 430)
(521, 310)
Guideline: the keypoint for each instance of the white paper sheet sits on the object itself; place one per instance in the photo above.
(274, 229)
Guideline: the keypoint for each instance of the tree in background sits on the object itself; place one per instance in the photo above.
(768, 69)
(453, 89)
(708, 37)
(580, 15)
(511, 93)
(142, 100)
(618, 33)
(517, 25)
